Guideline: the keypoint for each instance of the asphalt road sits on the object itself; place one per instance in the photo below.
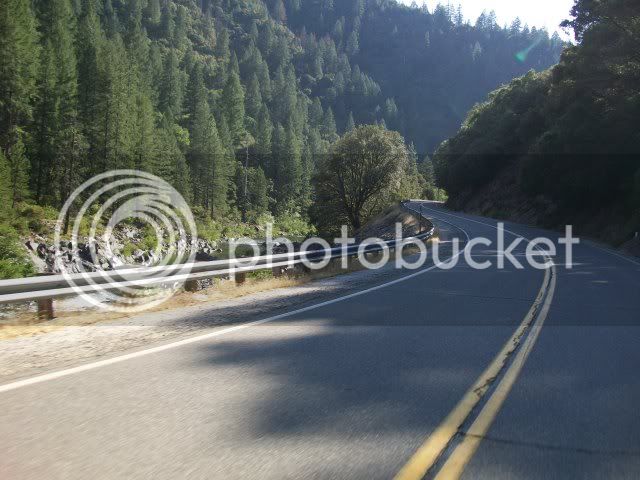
(354, 388)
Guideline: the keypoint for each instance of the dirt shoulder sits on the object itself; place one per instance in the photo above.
(74, 342)
(78, 336)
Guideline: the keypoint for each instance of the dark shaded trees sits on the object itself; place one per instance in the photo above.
(563, 142)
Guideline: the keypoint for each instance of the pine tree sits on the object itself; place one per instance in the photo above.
(169, 162)
(288, 170)
(172, 86)
(351, 124)
(263, 137)
(180, 28)
(167, 22)
(6, 194)
(285, 94)
(110, 19)
(222, 51)
(329, 130)
(58, 138)
(353, 44)
(19, 173)
(19, 53)
(253, 98)
(152, 12)
(44, 127)
(90, 41)
(279, 11)
(233, 102)
(116, 109)
(143, 130)
(264, 80)
(258, 191)
(207, 157)
(316, 114)
(225, 135)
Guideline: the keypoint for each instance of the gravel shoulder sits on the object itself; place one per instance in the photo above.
(68, 345)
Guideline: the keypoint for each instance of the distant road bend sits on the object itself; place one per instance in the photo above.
(456, 373)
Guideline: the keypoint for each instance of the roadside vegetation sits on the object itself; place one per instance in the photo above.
(368, 169)
(236, 103)
(21, 320)
(561, 146)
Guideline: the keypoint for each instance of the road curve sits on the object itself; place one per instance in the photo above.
(354, 388)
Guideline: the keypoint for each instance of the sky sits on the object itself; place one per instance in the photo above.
(539, 13)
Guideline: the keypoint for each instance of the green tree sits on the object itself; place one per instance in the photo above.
(362, 175)
(14, 262)
(254, 98)
(289, 173)
(6, 193)
(172, 86)
(351, 124)
(116, 109)
(19, 53)
(233, 103)
(207, 159)
(152, 12)
(353, 43)
(258, 191)
(19, 173)
(90, 42)
(58, 139)
(329, 130)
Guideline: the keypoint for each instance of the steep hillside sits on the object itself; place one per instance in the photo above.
(561, 146)
(231, 101)
(432, 67)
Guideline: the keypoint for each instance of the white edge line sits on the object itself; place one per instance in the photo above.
(141, 353)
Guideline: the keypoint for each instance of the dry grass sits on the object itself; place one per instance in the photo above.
(27, 324)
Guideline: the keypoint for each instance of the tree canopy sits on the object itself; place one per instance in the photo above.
(213, 94)
(563, 142)
(364, 172)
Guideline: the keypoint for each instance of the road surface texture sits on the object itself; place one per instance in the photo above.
(363, 387)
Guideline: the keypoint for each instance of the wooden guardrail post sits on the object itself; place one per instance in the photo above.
(241, 278)
(192, 286)
(45, 309)
(45, 305)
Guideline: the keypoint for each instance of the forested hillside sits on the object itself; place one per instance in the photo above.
(431, 67)
(232, 101)
(561, 146)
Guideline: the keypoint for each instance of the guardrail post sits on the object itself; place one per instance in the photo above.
(192, 286)
(45, 305)
(241, 278)
(45, 309)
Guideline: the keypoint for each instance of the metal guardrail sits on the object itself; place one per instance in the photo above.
(55, 286)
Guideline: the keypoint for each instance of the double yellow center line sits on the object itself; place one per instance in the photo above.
(430, 452)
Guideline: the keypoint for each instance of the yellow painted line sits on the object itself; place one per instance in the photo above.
(456, 463)
(430, 451)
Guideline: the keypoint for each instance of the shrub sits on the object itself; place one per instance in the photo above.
(14, 261)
